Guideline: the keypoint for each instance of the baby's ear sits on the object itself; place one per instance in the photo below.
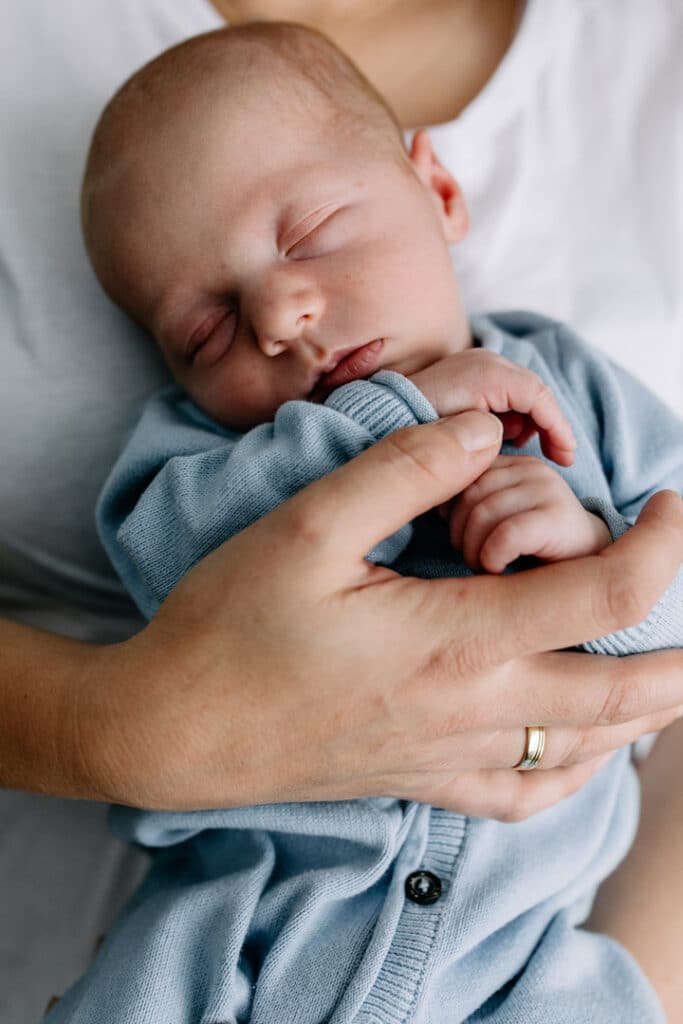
(442, 185)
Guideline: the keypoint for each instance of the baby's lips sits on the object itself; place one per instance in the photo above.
(359, 363)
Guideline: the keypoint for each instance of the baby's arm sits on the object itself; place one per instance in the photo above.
(184, 485)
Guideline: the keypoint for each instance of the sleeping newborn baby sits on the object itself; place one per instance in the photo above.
(249, 200)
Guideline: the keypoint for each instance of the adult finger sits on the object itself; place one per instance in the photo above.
(577, 690)
(492, 748)
(574, 688)
(573, 746)
(508, 795)
(564, 746)
(350, 510)
(568, 603)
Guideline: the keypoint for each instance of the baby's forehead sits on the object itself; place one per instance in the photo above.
(226, 97)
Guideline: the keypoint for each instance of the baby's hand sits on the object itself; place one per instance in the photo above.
(522, 506)
(478, 379)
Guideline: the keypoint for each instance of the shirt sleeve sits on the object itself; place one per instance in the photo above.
(640, 443)
(183, 485)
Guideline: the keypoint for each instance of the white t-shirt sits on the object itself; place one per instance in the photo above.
(571, 162)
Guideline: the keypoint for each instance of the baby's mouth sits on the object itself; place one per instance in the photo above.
(351, 364)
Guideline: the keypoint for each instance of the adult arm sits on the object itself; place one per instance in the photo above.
(367, 683)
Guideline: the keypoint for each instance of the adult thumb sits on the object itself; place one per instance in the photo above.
(400, 477)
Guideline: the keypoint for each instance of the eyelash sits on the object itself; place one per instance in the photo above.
(311, 234)
(205, 332)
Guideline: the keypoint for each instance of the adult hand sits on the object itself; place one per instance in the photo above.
(286, 667)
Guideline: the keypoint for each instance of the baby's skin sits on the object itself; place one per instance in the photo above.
(520, 505)
(255, 297)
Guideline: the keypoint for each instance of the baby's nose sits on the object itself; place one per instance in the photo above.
(285, 318)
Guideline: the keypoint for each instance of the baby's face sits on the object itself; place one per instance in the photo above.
(273, 263)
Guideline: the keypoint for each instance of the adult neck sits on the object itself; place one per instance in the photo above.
(429, 58)
(306, 12)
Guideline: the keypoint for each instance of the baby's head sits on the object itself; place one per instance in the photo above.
(249, 200)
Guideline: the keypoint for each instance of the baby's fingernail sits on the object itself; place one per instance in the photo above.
(477, 430)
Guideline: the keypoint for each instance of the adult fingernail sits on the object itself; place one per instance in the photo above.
(477, 430)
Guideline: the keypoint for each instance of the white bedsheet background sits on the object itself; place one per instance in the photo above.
(572, 164)
(63, 879)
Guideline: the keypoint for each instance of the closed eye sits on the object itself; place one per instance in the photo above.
(212, 339)
(326, 235)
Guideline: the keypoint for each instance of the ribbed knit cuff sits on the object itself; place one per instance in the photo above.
(382, 404)
(615, 522)
(663, 628)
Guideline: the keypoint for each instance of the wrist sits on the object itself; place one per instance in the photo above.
(599, 534)
(424, 381)
(47, 684)
(150, 742)
(126, 722)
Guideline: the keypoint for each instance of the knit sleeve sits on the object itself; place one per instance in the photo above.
(183, 485)
(641, 449)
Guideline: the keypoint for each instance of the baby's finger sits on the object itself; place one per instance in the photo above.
(515, 425)
(506, 471)
(403, 475)
(486, 542)
(520, 390)
(529, 532)
(517, 428)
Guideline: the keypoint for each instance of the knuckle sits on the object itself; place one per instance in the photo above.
(542, 470)
(306, 525)
(506, 534)
(479, 516)
(470, 496)
(407, 448)
(542, 391)
(531, 469)
(619, 602)
(465, 660)
(616, 707)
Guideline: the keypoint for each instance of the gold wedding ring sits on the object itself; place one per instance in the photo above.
(535, 745)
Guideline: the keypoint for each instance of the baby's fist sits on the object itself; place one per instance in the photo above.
(522, 506)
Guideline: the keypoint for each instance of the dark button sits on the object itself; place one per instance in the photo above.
(423, 887)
